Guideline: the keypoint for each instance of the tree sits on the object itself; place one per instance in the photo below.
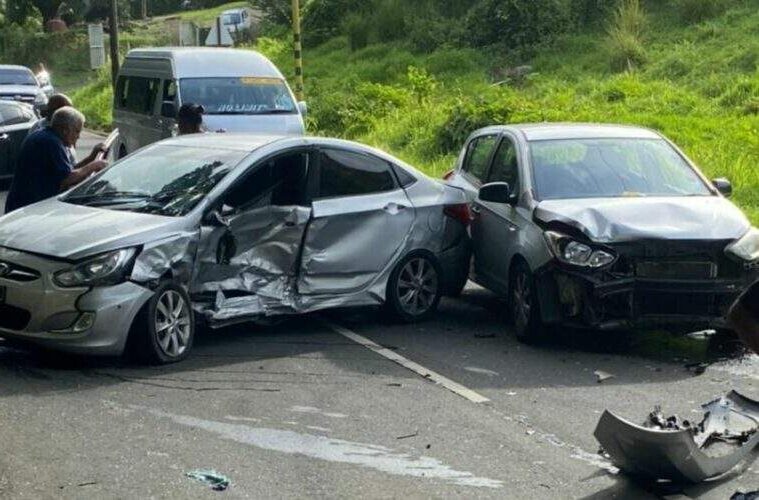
(275, 11)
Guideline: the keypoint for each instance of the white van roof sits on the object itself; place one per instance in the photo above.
(199, 62)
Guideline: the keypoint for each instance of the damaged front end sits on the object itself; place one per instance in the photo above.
(671, 449)
(639, 283)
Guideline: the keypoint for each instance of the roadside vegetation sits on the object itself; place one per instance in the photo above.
(415, 78)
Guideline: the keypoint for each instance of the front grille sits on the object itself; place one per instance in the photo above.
(13, 318)
(17, 97)
(14, 272)
(676, 270)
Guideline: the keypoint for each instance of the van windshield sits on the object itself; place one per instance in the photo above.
(232, 18)
(17, 77)
(238, 95)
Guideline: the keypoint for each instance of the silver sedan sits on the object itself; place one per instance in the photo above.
(222, 229)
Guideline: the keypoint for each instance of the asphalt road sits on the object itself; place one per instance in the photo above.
(304, 408)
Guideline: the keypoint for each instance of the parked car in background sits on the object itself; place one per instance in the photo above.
(233, 228)
(241, 91)
(16, 118)
(236, 20)
(602, 226)
(18, 83)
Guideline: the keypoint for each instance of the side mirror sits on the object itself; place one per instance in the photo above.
(303, 107)
(497, 192)
(723, 186)
(217, 218)
(168, 110)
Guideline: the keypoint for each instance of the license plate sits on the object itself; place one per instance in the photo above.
(2, 294)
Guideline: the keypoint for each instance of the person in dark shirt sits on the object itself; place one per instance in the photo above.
(45, 167)
(190, 118)
(744, 317)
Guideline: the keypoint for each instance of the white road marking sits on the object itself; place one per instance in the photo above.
(372, 456)
(449, 384)
(483, 371)
(311, 409)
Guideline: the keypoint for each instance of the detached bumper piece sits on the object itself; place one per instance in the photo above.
(670, 449)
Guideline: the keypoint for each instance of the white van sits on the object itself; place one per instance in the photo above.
(237, 19)
(241, 91)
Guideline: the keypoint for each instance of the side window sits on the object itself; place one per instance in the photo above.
(169, 93)
(278, 181)
(505, 167)
(343, 173)
(477, 156)
(137, 94)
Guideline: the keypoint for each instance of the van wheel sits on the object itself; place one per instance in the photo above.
(164, 330)
(524, 306)
(122, 151)
(414, 288)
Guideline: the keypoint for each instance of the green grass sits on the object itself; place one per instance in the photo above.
(699, 86)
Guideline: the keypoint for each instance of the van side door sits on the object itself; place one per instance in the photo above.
(135, 104)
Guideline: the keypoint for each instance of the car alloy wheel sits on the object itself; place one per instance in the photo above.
(172, 323)
(524, 306)
(417, 286)
(522, 299)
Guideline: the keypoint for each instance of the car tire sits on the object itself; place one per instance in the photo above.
(459, 281)
(164, 331)
(414, 288)
(122, 152)
(524, 306)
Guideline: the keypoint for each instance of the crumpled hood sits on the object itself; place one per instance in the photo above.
(69, 231)
(622, 219)
(262, 124)
(19, 89)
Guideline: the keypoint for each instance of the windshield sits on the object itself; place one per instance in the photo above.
(610, 168)
(162, 180)
(243, 96)
(232, 19)
(17, 77)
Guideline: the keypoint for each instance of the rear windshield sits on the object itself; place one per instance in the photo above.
(239, 95)
(610, 168)
(17, 77)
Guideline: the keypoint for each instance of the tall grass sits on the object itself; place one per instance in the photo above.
(625, 36)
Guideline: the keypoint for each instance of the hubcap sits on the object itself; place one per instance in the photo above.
(417, 286)
(522, 299)
(172, 323)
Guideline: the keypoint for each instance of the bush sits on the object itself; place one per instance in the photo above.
(356, 27)
(695, 11)
(322, 19)
(625, 34)
(517, 23)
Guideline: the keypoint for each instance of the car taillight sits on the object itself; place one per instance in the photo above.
(459, 212)
(448, 175)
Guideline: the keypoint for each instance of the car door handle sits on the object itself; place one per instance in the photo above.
(393, 208)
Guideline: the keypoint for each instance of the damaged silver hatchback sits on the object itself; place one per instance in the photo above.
(603, 226)
(227, 228)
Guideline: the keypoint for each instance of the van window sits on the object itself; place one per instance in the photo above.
(239, 95)
(137, 93)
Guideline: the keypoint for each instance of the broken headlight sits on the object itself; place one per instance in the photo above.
(106, 269)
(747, 247)
(576, 253)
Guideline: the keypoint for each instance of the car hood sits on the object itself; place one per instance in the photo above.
(19, 89)
(621, 219)
(268, 124)
(67, 231)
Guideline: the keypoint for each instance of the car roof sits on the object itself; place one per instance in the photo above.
(14, 66)
(210, 61)
(558, 131)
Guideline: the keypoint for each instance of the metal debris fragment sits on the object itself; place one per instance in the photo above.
(216, 481)
(751, 495)
(602, 375)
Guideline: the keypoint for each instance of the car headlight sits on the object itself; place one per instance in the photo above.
(576, 253)
(106, 269)
(40, 98)
(747, 247)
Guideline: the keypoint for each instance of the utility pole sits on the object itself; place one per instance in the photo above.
(114, 38)
(297, 51)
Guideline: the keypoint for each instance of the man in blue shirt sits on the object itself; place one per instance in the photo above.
(44, 167)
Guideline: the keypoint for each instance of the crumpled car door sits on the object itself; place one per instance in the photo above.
(353, 239)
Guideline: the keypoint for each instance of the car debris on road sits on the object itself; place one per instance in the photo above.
(216, 481)
(679, 450)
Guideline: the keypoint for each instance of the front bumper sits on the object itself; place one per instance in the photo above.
(36, 310)
(587, 300)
